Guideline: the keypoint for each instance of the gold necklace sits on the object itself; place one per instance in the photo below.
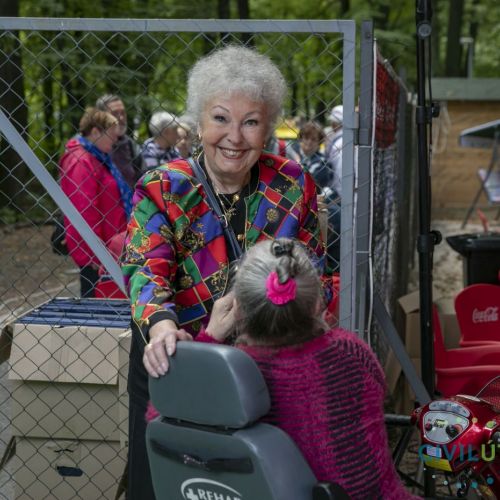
(228, 205)
(228, 201)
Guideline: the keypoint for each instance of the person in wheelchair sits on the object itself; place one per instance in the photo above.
(326, 385)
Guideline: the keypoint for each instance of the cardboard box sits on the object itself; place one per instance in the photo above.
(65, 382)
(123, 361)
(410, 335)
(66, 469)
(408, 322)
(410, 304)
(449, 323)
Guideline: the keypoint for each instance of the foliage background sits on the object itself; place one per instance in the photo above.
(46, 100)
(453, 20)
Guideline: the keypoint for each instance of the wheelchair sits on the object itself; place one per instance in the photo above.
(208, 443)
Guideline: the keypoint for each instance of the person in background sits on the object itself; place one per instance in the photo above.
(306, 152)
(327, 387)
(96, 188)
(160, 148)
(178, 258)
(186, 136)
(126, 153)
(333, 152)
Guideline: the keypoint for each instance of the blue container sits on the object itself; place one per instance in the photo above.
(110, 313)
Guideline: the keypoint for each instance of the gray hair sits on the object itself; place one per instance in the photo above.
(259, 318)
(160, 121)
(236, 69)
(103, 101)
(187, 123)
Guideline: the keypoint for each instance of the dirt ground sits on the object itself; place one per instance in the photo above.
(30, 273)
(448, 264)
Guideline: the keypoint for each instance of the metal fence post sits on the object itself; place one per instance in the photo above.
(363, 299)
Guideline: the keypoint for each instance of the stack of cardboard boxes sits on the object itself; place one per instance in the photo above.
(68, 363)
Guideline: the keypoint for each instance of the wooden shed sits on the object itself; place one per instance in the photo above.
(465, 103)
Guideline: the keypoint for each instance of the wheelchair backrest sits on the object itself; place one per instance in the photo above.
(207, 443)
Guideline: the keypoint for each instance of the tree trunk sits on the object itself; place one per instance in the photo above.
(344, 7)
(244, 13)
(243, 9)
(71, 82)
(453, 47)
(224, 12)
(436, 32)
(48, 117)
(13, 172)
(223, 9)
(473, 32)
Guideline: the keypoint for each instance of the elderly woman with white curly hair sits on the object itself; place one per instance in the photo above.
(192, 218)
(160, 148)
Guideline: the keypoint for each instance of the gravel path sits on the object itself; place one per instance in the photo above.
(30, 273)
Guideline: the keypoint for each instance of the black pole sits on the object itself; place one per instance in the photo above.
(426, 239)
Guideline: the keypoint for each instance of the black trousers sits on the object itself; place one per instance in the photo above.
(139, 485)
(88, 280)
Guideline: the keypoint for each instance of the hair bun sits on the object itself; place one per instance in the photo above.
(282, 247)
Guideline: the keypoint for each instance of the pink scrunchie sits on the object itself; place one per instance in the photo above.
(280, 293)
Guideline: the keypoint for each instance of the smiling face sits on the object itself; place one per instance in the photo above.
(117, 109)
(233, 132)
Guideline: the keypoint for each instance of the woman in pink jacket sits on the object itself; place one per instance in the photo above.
(96, 188)
(326, 385)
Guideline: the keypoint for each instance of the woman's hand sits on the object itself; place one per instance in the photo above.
(222, 319)
(163, 337)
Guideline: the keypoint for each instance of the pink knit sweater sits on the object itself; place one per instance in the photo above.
(327, 394)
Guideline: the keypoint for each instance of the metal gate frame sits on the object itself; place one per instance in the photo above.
(347, 314)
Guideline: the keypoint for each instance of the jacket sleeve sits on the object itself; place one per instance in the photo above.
(149, 263)
(80, 182)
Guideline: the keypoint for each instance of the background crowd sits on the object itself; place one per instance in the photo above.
(100, 175)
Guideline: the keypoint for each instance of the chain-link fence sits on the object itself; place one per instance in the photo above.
(63, 417)
(394, 192)
(63, 413)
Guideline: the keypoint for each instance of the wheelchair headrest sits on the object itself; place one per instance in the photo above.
(211, 384)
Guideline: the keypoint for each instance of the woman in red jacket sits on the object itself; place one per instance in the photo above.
(96, 188)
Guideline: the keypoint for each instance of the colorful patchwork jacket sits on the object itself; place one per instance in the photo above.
(176, 264)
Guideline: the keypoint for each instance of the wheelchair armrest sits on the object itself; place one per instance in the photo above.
(329, 491)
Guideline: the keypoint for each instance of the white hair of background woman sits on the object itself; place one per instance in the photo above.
(160, 121)
(187, 123)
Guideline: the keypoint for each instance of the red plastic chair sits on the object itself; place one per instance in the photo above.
(478, 314)
(464, 370)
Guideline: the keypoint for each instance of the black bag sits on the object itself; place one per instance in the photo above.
(58, 237)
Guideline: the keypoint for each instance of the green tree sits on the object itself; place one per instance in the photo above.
(13, 172)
